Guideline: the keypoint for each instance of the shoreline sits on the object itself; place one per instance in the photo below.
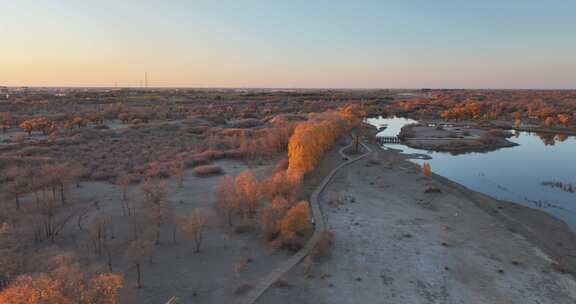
(461, 150)
(547, 232)
(401, 243)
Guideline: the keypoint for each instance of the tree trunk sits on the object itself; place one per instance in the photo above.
(62, 196)
(109, 254)
(174, 234)
(230, 223)
(158, 234)
(139, 278)
(198, 242)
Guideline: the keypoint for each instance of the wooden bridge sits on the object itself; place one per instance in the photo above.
(388, 140)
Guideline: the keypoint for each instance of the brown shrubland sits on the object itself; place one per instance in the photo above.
(207, 170)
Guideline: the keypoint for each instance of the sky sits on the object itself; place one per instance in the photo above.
(289, 44)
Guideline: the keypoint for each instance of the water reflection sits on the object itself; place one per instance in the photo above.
(515, 174)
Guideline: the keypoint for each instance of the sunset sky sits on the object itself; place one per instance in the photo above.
(290, 44)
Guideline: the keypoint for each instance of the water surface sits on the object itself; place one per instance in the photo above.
(514, 174)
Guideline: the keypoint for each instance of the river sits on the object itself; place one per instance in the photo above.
(517, 174)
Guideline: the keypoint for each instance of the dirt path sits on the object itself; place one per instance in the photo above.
(397, 244)
(319, 228)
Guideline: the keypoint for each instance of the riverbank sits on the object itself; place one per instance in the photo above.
(552, 235)
(405, 238)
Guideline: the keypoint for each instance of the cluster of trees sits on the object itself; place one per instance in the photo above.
(43, 213)
(154, 214)
(33, 268)
(41, 124)
(65, 280)
(311, 139)
(6, 121)
(47, 182)
(551, 108)
(268, 204)
(76, 122)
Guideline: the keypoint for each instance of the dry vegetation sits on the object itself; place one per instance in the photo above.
(58, 249)
(54, 249)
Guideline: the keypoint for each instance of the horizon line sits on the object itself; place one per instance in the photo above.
(281, 88)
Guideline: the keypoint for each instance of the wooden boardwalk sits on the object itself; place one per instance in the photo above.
(388, 140)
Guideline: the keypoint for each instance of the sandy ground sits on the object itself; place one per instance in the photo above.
(397, 244)
(174, 269)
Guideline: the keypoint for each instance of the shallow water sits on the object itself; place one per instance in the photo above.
(514, 174)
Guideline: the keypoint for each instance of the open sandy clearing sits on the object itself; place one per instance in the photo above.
(397, 244)
(174, 269)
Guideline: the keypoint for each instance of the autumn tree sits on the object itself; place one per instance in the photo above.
(28, 126)
(6, 121)
(29, 289)
(278, 184)
(61, 176)
(426, 169)
(248, 192)
(564, 119)
(193, 226)
(271, 217)
(104, 288)
(313, 138)
(41, 124)
(227, 198)
(123, 182)
(550, 121)
(297, 220)
(156, 204)
(16, 183)
(70, 282)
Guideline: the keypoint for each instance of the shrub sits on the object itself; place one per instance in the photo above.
(297, 220)
(432, 190)
(325, 243)
(207, 170)
(243, 289)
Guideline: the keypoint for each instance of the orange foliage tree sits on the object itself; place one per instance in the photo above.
(313, 138)
(42, 124)
(426, 169)
(6, 121)
(57, 288)
(297, 220)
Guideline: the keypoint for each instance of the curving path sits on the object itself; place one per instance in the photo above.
(319, 227)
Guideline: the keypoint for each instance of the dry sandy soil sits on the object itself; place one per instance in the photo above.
(397, 244)
(174, 269)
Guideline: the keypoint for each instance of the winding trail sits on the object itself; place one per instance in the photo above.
(319, 228)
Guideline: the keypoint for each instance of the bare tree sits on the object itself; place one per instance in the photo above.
(176, 170)
(123, 182)
(60, 176)
(227, 198)
(138, 252)
(193, 226)
(156, 204)
(16, 185)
